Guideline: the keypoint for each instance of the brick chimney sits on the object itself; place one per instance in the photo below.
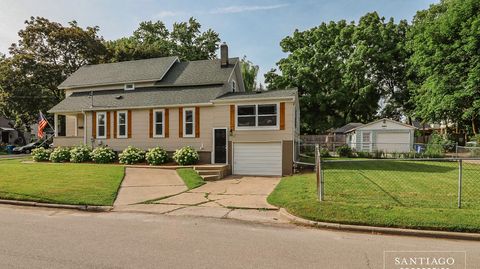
(224, 55)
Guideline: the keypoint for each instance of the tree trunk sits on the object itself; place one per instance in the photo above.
(474, 127)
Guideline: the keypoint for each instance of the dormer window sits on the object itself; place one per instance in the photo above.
(234, 86)
(129, 86)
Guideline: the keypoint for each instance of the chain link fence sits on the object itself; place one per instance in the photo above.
(395, 180)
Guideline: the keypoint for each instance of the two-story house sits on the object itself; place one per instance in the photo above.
(171, 103)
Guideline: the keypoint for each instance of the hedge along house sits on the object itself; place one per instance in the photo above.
(170, 103)
(384, 135)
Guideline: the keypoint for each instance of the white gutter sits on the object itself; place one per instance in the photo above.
(289, 98)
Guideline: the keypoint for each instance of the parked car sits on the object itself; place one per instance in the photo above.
(29, 147)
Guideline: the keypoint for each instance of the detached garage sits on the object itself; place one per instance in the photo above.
(257, 158)
(382, 135)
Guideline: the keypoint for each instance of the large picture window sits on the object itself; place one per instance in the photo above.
(257, 116)
(122, 124)
(158, 122)
(101, 125)
(188, 122)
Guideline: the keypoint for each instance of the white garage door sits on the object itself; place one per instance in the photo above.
(257, 159)
(393, 141)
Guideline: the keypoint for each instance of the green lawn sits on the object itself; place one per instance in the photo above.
(410, 194)
(190, 177)
(76, 184)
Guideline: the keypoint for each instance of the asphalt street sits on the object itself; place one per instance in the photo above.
(52, 238)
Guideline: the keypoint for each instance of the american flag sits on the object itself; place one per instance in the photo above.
(42, 123)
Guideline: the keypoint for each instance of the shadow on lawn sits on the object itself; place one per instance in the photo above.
(389, 165)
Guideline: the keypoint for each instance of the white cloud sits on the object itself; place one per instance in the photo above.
(239, 9)
(168, 13)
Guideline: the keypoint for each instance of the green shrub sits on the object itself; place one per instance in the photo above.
(344, 151)
(103, 155)
(324, 153)
(131, 155)
(80, 154)
(41, 154)
(156, 156)
(363, 154)
(186, 156)
(435, 148)
(60, 155)
(378, 154)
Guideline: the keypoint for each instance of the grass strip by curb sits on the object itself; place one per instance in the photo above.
(190, 177)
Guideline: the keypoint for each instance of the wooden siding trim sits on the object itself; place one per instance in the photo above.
(129, 120)
(150, 123)
(109, 124)
(282, 116)
(232, 117)
(94, 124)
(167, 122)
(197, 121)
(180, 122)
(115, 124)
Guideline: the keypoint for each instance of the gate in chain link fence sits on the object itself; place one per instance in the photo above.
(424, 183)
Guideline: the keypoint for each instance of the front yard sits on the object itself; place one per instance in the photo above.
(68, 183)
(420, 195)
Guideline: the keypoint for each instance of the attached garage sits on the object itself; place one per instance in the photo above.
(257, 159)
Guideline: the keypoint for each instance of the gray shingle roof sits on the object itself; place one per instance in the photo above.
(140, 97)
(264, 94)
(201, 72)
(121, 72)
(348, 127)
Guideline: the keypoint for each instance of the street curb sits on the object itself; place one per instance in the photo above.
(379, 230)
(60, 206)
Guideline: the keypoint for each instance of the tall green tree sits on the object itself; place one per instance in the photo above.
(154, 39)
(445, 45)
(249, 73)
(45, 55)
(342, 71)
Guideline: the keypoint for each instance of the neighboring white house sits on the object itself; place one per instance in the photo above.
(382, 135)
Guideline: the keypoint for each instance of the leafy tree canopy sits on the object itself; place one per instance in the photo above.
(45, 55)
(153, 39)
(445, 45)
(249, 73)
(345, 72)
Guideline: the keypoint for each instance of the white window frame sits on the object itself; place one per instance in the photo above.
(256, 127)
(234, 86)
(118, 124)
(104, 136)
(185, 122)
(125, 87)
(155, 123)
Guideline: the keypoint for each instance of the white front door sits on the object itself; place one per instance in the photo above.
(262, 159)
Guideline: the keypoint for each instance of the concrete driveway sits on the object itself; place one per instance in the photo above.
(238, 197)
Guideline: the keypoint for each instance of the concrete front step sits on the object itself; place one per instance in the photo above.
(210, 177)
(209, 167)
(208, 172)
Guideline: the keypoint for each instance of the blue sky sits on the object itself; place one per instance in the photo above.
(251, 28)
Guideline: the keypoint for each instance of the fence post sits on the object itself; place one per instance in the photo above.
(456, 149)
(318, 172)
(460, 170)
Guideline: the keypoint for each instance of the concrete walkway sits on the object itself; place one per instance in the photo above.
(236, 197)
(143, 184)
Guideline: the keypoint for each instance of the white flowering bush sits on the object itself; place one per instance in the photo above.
(186, 156)
(156, 156)
(60, 155)
(103, 155)
(41, 154)
(80, 154)
(131, 155)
